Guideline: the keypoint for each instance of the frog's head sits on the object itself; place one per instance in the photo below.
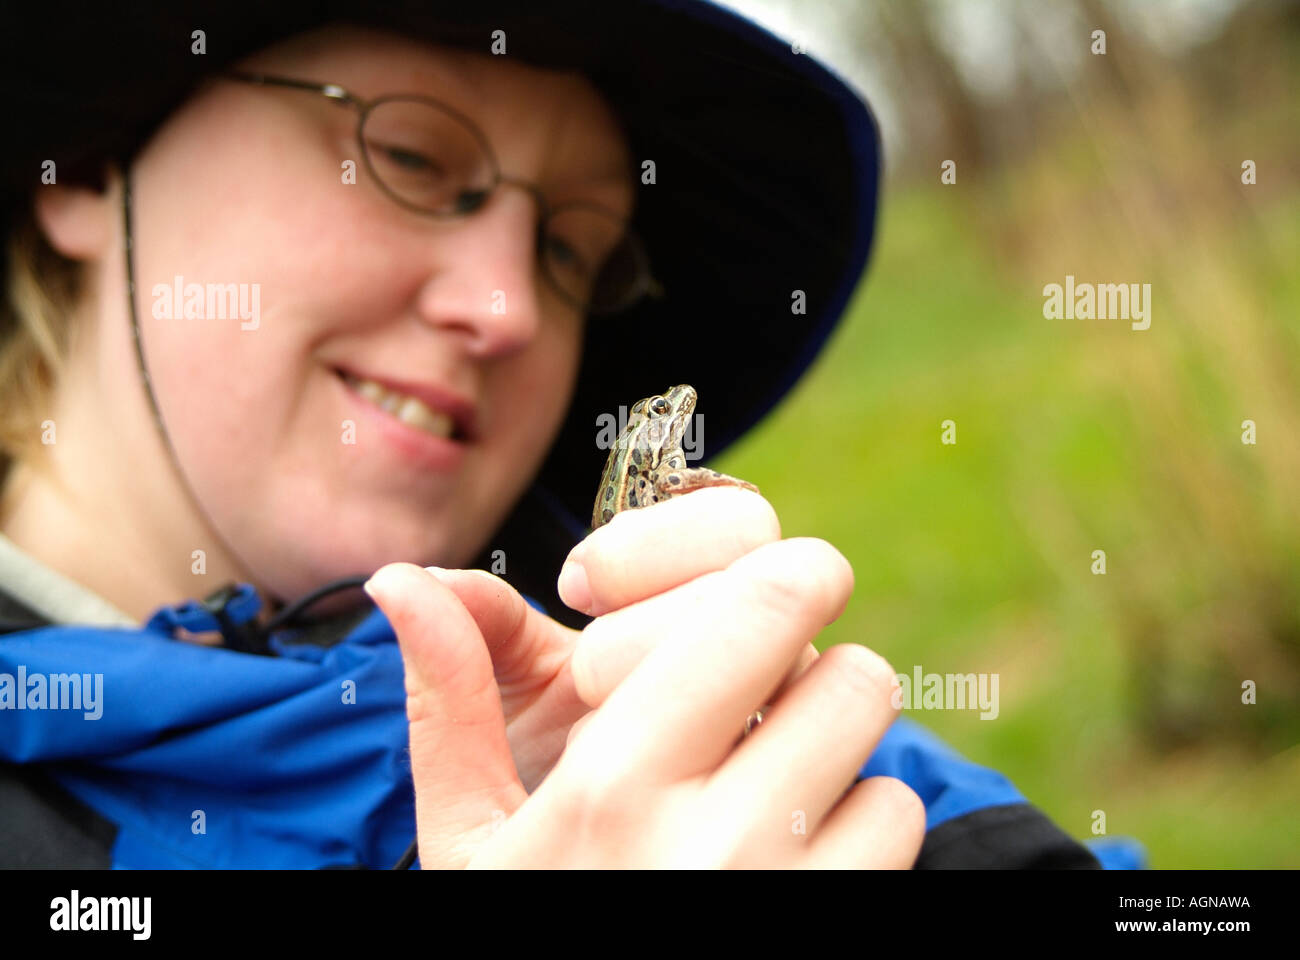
(657, 423)
(674, 403)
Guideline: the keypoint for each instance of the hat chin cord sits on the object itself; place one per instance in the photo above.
(148, 383)
(408, 858)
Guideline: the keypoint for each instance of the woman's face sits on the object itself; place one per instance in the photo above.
(303, 477)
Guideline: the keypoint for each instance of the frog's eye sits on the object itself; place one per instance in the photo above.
(658, 405)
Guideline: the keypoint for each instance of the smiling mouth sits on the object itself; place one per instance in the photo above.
(409, 410)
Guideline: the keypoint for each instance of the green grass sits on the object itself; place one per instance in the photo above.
(976, 556)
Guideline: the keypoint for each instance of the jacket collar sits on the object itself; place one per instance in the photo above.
(232, 760)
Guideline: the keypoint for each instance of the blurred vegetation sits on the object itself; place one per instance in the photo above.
(1121, 692)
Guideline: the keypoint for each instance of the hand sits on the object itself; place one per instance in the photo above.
(703, 614)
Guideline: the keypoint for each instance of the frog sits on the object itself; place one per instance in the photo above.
(647, 464)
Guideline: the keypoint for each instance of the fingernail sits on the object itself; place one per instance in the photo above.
(367, 586)
(573, 587)
(438, 573)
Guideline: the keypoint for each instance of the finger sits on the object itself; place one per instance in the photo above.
(530, 656)
(577, 726)
(606, 656)
(526, 645)
(643, 552)
(612, 646)
(461, 764)
(725, 642)
(819, 734)
(806, 658)
(880, 824)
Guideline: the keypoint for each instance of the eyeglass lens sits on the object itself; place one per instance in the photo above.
(429, 159)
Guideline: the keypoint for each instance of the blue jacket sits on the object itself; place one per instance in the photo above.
(169, 754)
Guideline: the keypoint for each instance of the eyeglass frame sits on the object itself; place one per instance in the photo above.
(645, 286)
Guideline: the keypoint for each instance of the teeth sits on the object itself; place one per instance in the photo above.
(407, 409)
(415, 413)
(368, 389)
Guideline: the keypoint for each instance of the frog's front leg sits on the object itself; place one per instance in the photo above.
(694, 478)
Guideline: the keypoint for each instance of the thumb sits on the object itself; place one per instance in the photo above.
(466, 784)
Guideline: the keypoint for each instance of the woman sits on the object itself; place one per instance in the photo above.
(376, 280)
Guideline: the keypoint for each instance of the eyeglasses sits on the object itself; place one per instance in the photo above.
(431, 159)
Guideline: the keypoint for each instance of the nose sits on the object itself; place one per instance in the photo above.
(484, 280)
